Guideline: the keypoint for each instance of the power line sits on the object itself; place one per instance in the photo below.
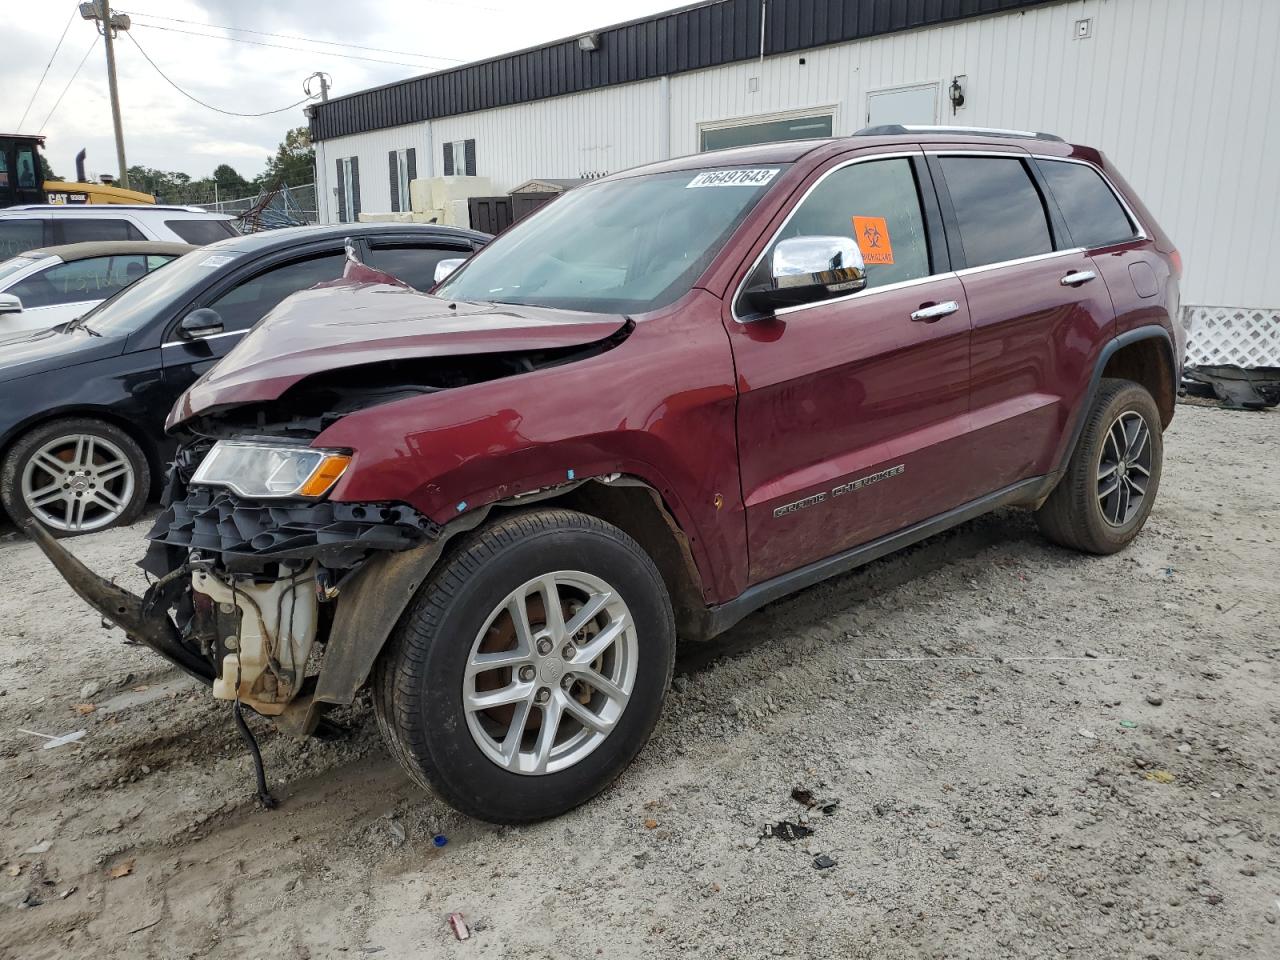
(288, 36)
(36, 92)
(277, 46)
(230, 113)
(58, 102)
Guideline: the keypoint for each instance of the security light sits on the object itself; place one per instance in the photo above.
(589, 42)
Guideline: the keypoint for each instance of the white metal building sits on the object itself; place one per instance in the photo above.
(1181, 95)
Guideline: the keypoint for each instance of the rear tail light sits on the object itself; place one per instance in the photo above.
(1176, 259)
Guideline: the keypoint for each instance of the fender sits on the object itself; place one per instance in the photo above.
(371, 604)
(1152, 331)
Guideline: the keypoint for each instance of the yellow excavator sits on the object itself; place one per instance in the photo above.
(21, 183)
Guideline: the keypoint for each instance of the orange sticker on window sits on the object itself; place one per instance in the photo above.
(872, 234)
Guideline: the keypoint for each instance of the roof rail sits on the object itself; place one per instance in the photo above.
(898, 129)
(108, 207)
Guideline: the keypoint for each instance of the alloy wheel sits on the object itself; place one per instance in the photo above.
(550, 673)
(77, 483)
(1124, 468)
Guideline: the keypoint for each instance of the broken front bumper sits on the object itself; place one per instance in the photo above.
(247, 590)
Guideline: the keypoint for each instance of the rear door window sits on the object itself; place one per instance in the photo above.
(202, 231)
(1094, 216)
(246, 303)
(89, 229)
(18, 236)
(415, 264)
(1000, 212)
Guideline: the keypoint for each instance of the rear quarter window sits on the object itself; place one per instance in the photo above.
(89, 229)
(1094, 216)
(202, 231)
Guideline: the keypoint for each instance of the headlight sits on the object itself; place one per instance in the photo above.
(266, 470)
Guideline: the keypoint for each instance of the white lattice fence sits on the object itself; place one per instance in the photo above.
(1234, 337)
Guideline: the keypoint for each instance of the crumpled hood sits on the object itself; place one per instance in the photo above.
(345, 324)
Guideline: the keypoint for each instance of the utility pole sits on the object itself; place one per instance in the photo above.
(100, 12)
(324, 79)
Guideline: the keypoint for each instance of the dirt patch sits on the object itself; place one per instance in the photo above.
(1035, 754)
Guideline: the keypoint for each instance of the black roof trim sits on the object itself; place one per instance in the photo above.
(695, 37)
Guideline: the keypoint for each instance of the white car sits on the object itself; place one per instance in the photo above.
(43, 288)
(33, 226)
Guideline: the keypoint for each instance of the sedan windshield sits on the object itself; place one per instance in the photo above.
(622, 246)
(136, 305)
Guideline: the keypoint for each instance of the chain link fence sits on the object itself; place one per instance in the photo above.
(286, 207)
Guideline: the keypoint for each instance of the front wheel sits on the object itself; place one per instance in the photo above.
(531, 667)
(1110, 485)
(75, 476)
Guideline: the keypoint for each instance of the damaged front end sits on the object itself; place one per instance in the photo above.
(246, 591)
(266, 586)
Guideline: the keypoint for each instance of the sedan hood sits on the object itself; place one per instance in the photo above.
(353, 324)
(36, 353)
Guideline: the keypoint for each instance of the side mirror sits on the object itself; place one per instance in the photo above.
(446, 267)
(9, 303)
(200, 323)
(809, 269)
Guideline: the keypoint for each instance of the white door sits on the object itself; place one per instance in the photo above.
(916, 104)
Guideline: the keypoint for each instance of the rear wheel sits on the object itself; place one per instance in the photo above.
(75, 476)
(531, 667)
(1106, 495)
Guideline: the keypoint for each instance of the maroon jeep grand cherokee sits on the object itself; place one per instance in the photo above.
(670, 397)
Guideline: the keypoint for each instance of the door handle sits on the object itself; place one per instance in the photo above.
(933, 312)
(1077, 277)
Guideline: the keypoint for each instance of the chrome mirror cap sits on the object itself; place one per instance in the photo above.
(446, 267)
(807, 270)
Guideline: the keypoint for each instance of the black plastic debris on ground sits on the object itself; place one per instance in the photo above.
(823, 862)
(806, 797)
(786, 830)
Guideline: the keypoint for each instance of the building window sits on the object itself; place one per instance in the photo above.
(402, 169)
(766, 131)
(460, 158)
(348, 189)
(916, 103)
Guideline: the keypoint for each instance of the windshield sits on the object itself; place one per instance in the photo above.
(623, 246)
(137, 304)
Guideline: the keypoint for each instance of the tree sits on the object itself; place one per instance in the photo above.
(294, 162)
(231, 185)
(46, 171)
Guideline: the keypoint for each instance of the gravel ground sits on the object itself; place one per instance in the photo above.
(1034, 754)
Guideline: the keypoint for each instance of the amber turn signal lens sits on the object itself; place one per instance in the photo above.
(325, 475)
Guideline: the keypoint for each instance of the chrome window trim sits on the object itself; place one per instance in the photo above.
(215, 336)
(985, 267)
(737, 294)
(1124, 204)
(966, 271)
(862, 294)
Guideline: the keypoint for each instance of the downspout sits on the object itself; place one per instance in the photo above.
(764, 12)
(664, 130)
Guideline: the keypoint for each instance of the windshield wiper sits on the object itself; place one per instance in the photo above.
(78, 324)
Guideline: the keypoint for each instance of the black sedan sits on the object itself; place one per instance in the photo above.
(82, 406)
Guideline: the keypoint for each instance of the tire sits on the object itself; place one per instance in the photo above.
(105, 481)
(1076, 515)
(426, 676)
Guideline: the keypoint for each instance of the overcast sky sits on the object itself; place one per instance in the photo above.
(163, 129)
